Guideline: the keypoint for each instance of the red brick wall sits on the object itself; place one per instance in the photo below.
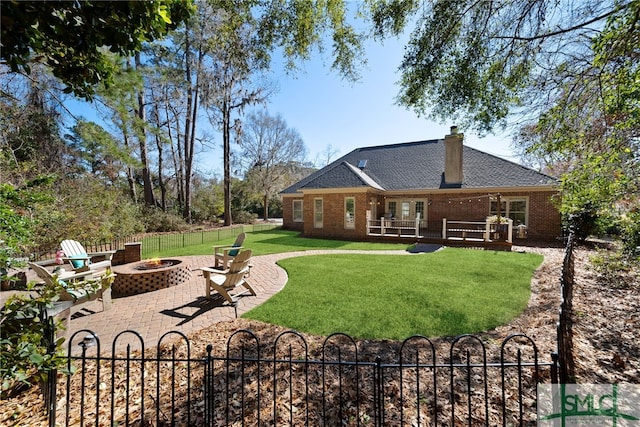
(333, 216)
(544, 222)
(287, 214)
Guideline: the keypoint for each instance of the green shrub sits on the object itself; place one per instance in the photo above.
(26, 358)
(630, 233)
(614, 268)
(28, 352)
(244, 217)
(156, 220)
(88, 211)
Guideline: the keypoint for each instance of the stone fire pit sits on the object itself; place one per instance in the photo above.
(149, 275)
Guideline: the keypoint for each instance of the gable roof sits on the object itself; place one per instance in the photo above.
(419, 166)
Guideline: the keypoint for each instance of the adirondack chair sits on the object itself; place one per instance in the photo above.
(81, 260)
(224, 254)
(225, 281)
(95, 287)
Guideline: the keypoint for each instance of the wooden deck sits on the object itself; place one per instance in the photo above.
(458, 233)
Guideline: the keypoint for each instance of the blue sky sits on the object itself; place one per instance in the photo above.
(327, 110)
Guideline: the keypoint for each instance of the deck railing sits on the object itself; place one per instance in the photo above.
(395, 227)
(486, 231)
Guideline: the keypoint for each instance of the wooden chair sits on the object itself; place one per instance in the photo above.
(224, 281)
(224, 254)
(81, 260)
(94, 288)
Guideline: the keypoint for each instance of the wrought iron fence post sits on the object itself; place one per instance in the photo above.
(566, 363)
(377, 391)
(49, 385)
(208, 387)
(554, 367)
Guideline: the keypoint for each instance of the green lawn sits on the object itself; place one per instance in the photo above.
(276, 241)
(447, 293)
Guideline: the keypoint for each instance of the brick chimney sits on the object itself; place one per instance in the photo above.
(453, 157)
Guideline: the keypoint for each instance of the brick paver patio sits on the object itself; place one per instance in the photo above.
(180, 308)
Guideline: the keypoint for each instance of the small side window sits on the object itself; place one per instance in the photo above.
(349, 212)
(317, 213)
(297, 211)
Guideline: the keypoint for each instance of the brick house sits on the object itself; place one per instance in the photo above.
(426, 190)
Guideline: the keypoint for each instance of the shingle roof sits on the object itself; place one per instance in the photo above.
(419, 166)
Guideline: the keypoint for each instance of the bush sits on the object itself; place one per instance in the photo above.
(27, 357)
(156, 220)
(88, 211)
(30, 350)
(614, 268)
(244, 217)
(630, 233)
(583, 223)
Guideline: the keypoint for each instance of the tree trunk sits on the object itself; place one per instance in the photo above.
(189, 150)
(266, 207)
(130, 179)
(161, 183)
(226, 136)
(190, 125)
(149, 200)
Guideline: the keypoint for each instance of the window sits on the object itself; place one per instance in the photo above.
(349, 212)
(391, 211)
(297, 211)
(317, 213)
(514, 208)
(406, 210)
(420, 209)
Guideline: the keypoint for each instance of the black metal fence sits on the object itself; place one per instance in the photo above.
(567, 371)
(156, 242)
(289, 380)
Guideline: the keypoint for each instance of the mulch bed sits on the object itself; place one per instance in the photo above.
(607, 316)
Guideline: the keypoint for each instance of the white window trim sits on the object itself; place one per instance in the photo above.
(316, 223)
(301, 210)
(349, 224)
(507, 200)
(412, 207)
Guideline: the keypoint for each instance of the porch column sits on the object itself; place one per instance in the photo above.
(487, 231)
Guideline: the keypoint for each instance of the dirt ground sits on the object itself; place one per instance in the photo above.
(606, 316)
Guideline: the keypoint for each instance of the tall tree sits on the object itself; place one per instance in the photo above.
(270, 154)
(70, 36)
(178, 81)
(121, 107)
(235, 61)
(140, 124)
(248, 32)
(478, 61)
(592, 127)
(30, 119)
(564, 73)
